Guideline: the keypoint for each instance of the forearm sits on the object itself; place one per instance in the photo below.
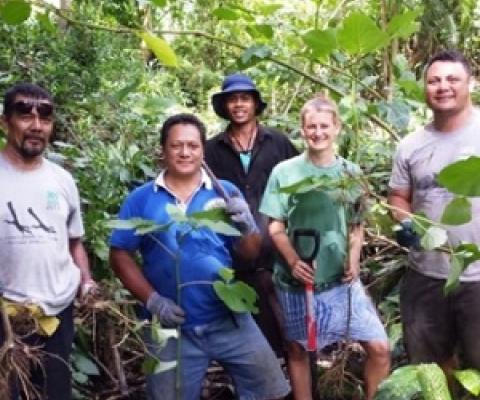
(249, 246)
(129, 273)
(80, 258)
(282, 243)
(401, 204)
(355, 243)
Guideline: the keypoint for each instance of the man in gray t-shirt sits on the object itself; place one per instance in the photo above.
(43, 261)
(435, 324)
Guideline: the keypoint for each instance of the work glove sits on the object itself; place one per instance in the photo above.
(240, 214)
(406, 236)
(168, 313)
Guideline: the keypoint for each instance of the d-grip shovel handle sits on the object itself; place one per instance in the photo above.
(306, 233)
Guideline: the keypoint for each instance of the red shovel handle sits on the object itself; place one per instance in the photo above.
(310, 318)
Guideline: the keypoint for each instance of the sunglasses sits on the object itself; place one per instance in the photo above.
(24, 107)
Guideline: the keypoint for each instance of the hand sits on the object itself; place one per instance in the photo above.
(406, 236)
(352, 270)
(241, 215)
(88, 287)
(303, 272)
(168, 313)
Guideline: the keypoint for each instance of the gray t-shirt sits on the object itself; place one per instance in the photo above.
(39, 213)
(419, 158)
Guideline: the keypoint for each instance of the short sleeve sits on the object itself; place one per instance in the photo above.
(74, 220)
(126, 239)
(400, 177)
(274, 204)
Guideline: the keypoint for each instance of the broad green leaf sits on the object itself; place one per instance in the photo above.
(321, 42)
(214, 214)
(396, 113)
(412, 89)
(14, 12)
(470, 380)
(395, 334)
(403, 25)
(220, 227)
(402, 384)
(433, 382)
(456, 268)
(360, 35)
(176, 213)
(226, 274)
(269, 9)
(254, 54)
(80, 377)
(470, 252)
(260, 30)
(461, 177)
(226, 14)
(238, 296)
(153, 365)
(421, 223)
(434, 237)
(457, 212)
(160, 48)
(141, 226)
(85, 365)
(159, 3)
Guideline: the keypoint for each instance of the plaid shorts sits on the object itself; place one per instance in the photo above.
(331, 315)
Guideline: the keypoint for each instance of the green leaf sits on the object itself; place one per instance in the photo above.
(14, 12)
(220, 227)
(404, 25)
(396, 113)
(470, 380)
(260, 30)
(412, 89)
(421, 223)
(456, 268)
(470, 253)
(153, 365)
(238, 296)
(360, 35)
(79, 377)
(457, 212)
(226, 274)
(175, 213)
(433, 382)
(214, 214)
(141, 226)
(394, 334)
(461, 177)
(434, 237)
(321, 42)
(85, 365)
(160, 48)
(402, 384)
(226, 14)
(269, 9)
(159, 3)
(254, 54)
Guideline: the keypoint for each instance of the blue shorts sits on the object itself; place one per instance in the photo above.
(240, 348)
(331, 315)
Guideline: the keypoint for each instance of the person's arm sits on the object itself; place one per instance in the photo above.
(80, 258)
(248, 246)
(400, 200)
(127, 270)
(355, 242)
(300, 270)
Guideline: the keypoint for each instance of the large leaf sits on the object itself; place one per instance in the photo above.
(254, 54)
(220, 227)
(269, 9)
(360, 35)
(402, 384)
(321, 42)
(226, 13)
(470, 380)
(160, 48)
(260, 30)
(461, 177)
(214, 214)
(14, 12)
(434, 237)
(470, 253)
(403, 25)
(433, 382)
(456, 268)
(457, 212)
(238, 296)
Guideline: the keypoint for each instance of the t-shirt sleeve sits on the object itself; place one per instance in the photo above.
(126, 239)
(274, 204)
(400, 177)
(74, 220)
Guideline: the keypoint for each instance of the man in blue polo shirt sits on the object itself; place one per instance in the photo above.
(209, 330)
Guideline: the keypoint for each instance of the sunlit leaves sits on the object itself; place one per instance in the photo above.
(433, 382)
(433, 238)
(237, 296)
(461, 177)
(457, 212)
(402, 384)
(470, 380)
(228, 14)
(14, 12)
(259, 31)
(139, 225)
(360, 35)
(159, 3)
(456, 268)
(160, 48)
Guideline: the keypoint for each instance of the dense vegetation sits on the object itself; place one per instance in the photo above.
(118, 67)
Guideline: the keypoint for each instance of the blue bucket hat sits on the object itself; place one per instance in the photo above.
(236, 83)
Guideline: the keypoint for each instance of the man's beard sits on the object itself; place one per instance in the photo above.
(29, 151)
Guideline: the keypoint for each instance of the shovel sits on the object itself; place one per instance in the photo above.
(314, 237)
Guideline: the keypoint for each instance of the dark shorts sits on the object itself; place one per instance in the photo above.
(53, 379)
(436, 325)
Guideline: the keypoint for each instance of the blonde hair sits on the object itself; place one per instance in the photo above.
(320, 103)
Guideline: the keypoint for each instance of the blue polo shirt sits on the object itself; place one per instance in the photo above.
(201, 253)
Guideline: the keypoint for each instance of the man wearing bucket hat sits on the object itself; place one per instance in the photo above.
(245, 154)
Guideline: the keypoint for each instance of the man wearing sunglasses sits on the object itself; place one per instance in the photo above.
(43, 261)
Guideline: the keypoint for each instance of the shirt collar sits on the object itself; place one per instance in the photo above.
(261, 134)
(160, 181)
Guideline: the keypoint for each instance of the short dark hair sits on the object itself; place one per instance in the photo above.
(23, 89)
(452, 56)
(183, 119)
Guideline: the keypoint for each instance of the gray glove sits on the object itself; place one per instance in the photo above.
(168, 313)
(241, 215)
